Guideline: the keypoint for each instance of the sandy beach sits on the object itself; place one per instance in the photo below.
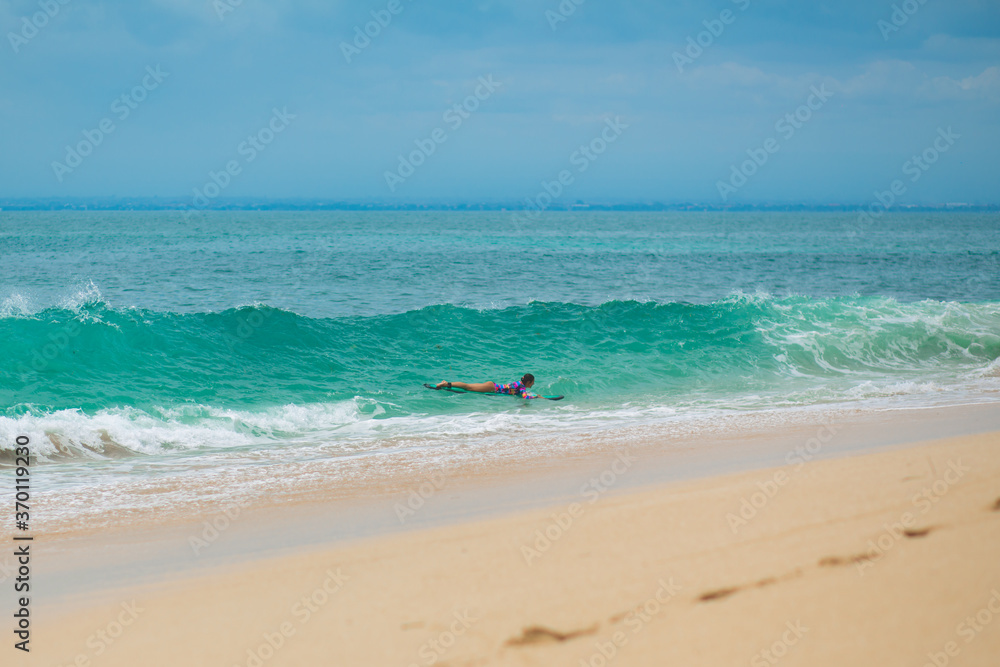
(450, 334)
(885, 558)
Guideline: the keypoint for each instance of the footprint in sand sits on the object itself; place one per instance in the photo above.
(537, 634)
(718, 594)
(918, 532)
(726, 592)
(837, 561)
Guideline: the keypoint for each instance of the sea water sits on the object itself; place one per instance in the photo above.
(150, 344)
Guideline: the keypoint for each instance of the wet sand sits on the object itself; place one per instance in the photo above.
(874, 558)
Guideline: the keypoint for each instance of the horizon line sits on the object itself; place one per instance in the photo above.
(183, 204)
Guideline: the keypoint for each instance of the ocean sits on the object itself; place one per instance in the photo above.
(140, 346)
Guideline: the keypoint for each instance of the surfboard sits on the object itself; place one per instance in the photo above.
(483, 393)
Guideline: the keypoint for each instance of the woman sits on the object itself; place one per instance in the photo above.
(516, 388)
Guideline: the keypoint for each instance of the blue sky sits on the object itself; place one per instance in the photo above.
(887, 96)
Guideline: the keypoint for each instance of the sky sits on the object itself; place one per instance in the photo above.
(727, 101)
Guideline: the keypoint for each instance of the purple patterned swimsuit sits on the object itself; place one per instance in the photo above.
(515, 388)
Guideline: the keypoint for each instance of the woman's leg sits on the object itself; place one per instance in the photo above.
(486, 387)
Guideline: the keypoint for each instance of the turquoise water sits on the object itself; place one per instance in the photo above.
(251, 331)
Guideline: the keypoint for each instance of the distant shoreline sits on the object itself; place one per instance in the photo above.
(250, 204)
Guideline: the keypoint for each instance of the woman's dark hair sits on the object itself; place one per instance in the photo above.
(528, 377)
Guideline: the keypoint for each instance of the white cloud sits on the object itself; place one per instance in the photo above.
(762, 86)
(989, 79)
(728, 74)
(882, 77)
(951, 47)
(905, 79)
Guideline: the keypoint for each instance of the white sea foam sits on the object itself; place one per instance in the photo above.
(359, 425)
(16, 305)
(991, 371)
